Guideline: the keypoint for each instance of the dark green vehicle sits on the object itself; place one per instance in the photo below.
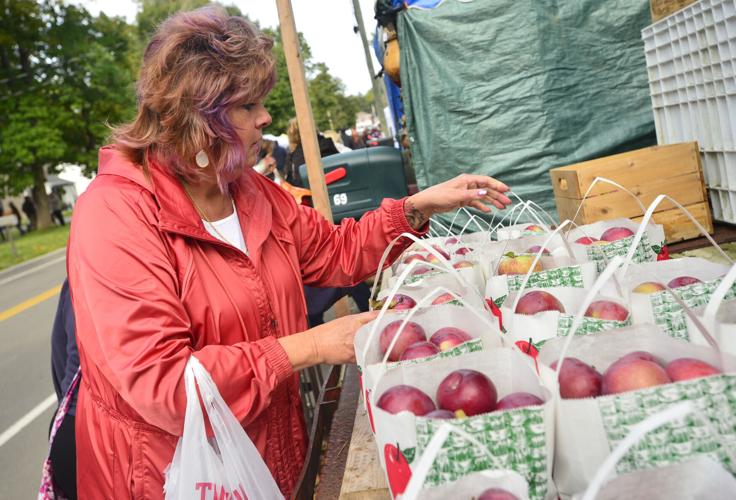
(358, 180)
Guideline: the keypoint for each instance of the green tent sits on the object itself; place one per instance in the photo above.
(512, 88)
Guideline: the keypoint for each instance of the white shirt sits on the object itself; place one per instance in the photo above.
(229, 229)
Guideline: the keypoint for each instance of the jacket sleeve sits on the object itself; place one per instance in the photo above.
(132, 325)
(345, 254)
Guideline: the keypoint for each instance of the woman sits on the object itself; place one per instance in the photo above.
(180, 248)
(295, 156)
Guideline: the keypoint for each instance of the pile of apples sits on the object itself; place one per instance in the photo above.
(462, 393)
(538, 301)
(413, 344)
(432, 259)
(608, 236)
(634, 371)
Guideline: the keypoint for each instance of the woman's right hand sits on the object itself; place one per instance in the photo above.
(330, 343)
(334, 340)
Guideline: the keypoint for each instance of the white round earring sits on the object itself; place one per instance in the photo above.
(202, 159)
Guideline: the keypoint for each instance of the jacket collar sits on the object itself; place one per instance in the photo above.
(176, 212)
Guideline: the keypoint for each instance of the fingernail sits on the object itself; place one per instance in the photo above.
(482, 192)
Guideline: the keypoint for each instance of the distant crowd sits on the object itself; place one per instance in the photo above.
(28, 207)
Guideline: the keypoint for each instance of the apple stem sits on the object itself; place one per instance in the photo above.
(529, 347)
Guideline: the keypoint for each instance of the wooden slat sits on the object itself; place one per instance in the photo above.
(678, 226)
(686, 189)
(663, 8)
(364, 478)
(643, 167)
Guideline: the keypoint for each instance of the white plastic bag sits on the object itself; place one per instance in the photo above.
(226, 466)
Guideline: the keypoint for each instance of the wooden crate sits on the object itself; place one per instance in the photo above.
(663, 8)
(674, 170)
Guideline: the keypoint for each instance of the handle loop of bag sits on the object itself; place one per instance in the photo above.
(537, 258)
(507, 216)
(613, 183)
(638, 432)
(394, 290)
(647, 217)
(419, 242)
(420, 305)
(419, 474)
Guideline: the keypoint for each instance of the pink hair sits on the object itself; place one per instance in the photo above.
(197, 66)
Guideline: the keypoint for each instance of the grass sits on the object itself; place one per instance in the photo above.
(32, 245)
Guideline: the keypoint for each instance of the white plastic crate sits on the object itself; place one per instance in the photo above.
(691, 64)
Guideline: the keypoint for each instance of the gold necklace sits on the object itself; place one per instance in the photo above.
(204, 216)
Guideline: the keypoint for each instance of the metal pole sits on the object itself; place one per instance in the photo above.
(378, 95)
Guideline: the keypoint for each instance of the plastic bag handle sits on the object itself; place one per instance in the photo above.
(709, 315)
(394, 290)
(537, 258)
(416, 240)
(419, 474)
(420, 305)
(647, 217)
(637, 433)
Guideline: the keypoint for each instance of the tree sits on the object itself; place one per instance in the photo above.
(66, 74)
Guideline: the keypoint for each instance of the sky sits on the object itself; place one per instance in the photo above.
(326, 24)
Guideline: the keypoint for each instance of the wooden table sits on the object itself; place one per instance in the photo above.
(364, 479)
(351, 468)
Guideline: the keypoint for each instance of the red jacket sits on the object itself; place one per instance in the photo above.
(151, 287)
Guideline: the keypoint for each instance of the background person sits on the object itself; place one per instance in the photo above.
(179, 248)
(295, 156)
(29, 208)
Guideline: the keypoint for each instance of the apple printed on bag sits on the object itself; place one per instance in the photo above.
(531, 350)
(397, 469)
(663, 253)
(497, 312)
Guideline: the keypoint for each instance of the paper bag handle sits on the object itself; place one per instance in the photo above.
(394, 290)
(419, 474)
(536, 260)
(647, 217)
(638, 432)
(420, 305)
(613, 183)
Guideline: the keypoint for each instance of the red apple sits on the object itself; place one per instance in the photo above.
(419, 270)
(405, 398)
(432, 259)
(647, 356)
(538, 301)
(649, 287)
(463, 264)
(585, 240)
(411, 258)
(411, 334)
(518, 400)
(517, 264)
(497, 494)
(448, 337)
(608, 310)
(467, 390)
(534, 229)
(440, 414)
(631, 375)
(688, 368)
(418, 350)
(616, 233)
(443, 299)
(577, 379)
(402, 302)
(441, 251)
(683, 281)
(463, 251)
(536, 249)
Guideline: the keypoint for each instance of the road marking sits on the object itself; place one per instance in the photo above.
(9, 313)
(27, 419)
(30, 271)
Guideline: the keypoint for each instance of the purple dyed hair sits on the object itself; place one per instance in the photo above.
(197, 67)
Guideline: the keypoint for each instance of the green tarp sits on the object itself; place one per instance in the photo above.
(512, 88)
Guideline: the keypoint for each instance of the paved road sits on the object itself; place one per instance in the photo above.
(25, 370)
